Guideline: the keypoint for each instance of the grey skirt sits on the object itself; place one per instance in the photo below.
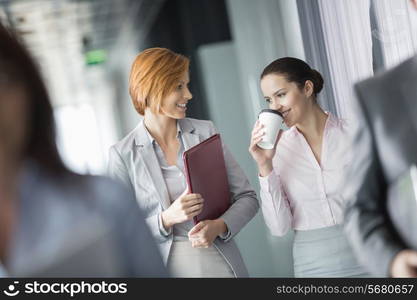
(185, 261)
(325, 252)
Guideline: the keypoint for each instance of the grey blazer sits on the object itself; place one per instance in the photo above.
(384, 146)
(134, 161)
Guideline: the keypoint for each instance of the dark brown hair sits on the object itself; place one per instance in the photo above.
(295, 70)
(18, 68)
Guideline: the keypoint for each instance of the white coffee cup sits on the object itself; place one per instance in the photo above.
(272, 121)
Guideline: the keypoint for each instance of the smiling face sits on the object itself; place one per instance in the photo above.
(287, 98)
(175, 104)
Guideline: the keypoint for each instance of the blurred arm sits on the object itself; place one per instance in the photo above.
(366, 219)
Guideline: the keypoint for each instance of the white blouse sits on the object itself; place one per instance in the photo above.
(300, 193)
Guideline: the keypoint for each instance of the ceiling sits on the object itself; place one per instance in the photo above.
(59, 33)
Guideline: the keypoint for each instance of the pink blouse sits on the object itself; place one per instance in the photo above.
(300, 193)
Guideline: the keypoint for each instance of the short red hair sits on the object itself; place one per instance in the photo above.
(154, 75)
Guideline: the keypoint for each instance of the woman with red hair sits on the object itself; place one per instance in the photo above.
(149, 159)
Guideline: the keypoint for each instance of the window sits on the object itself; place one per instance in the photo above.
(78, 138)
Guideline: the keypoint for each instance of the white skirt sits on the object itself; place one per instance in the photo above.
(186, 261)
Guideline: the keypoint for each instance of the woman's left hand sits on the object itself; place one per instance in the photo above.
(205, 232)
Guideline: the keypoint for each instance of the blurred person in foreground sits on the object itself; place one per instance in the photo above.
(385, 147)
(149, 159)
(54, 222)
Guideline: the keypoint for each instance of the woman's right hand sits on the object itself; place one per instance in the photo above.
(262, 157)
(182, 209)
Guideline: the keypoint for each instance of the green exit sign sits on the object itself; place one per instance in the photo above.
(95, 57)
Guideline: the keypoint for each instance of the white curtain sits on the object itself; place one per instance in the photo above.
(347, 32)
(396, 30)
(338, 43)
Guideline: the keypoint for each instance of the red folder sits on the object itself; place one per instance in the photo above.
(206, 175)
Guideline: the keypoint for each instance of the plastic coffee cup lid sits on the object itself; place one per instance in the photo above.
(271, 111)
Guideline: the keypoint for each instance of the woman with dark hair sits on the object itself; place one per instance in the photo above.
(49, 216)
(301, 177)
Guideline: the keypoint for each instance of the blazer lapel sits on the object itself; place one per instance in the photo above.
(409, 91)
(150, 161)
(189, 136)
